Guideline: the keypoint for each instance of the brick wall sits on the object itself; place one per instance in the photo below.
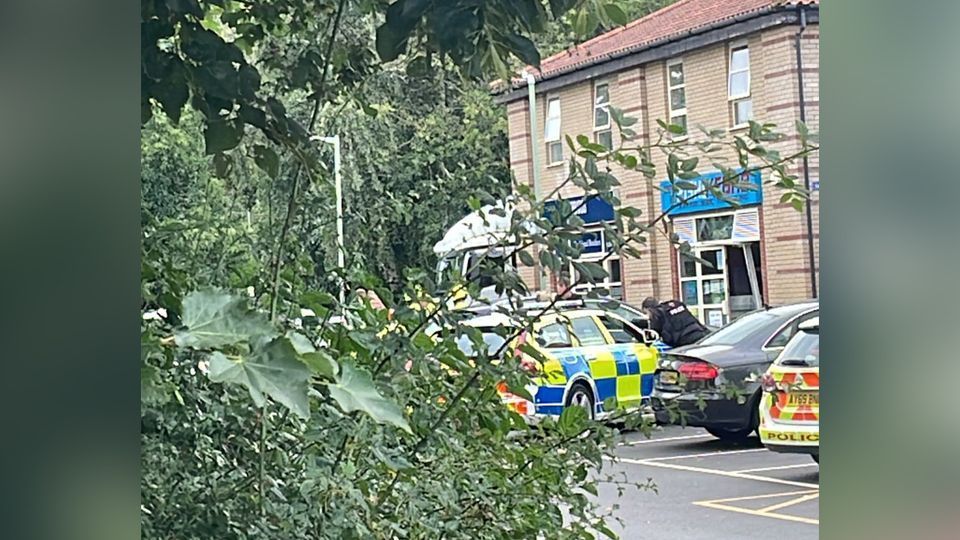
(642, 93)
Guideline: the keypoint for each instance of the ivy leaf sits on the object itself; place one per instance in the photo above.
(273, 370)
(216, 319)
(354, 391)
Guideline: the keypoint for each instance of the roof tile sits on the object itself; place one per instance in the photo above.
(678, 18)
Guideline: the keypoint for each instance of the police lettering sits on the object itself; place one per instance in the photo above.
(793, 437)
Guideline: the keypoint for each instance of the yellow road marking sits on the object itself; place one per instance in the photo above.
(786, 517)
(780, 468)
(765, 496)
(729, 474)
(785, 504)
(709, 454)
(667, 439)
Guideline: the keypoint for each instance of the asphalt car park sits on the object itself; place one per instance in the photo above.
(711, 489)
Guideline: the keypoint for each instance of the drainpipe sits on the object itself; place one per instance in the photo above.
(534, 161)
(532, 99)
(806, 166)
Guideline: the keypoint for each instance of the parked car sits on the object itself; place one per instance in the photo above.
(591, 356)
(790, 406)
(715, 383)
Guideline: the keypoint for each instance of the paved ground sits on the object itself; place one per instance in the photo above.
(713, 490)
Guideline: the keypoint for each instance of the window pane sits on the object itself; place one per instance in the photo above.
(680, 120)
(688, 266)
(689, 292)
(553, 108)
(551, 131)
(555, 152)
(601, 117)
(620, 332)
(715, 228)
(613, 268)
(605, 138)
(742, 111)
(587, 331)
(715, 260)
(740, 59)
(678, 99)
(554, 335)
(603, 95)
(740, 83)
(676, 74)
(713, 292)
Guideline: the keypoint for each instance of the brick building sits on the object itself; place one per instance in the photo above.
(710, 63)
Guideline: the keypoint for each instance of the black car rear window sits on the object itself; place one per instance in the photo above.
(740, 329)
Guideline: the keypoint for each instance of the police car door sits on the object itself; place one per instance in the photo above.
(640, 358)
(595, 348)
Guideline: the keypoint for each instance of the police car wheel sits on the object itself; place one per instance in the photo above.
(581, 396)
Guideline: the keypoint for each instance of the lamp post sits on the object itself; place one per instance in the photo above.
(338, 189)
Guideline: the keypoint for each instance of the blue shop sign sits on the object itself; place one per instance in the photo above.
(698, 200)
(591, 242)
(595, 210)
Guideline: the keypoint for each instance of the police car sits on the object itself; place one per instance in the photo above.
(790, 406)
(591, 355)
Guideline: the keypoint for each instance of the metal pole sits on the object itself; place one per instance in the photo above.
(338, 193)
(338, 188)
(806, 165)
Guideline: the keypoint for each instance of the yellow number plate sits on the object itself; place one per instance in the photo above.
(803, 399)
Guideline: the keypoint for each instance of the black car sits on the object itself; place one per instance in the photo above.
(721, 372)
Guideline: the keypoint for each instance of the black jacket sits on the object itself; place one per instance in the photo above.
(676, 325)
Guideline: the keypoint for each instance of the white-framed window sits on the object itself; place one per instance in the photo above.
(551, 132)
(677, 94)
(596, 248)
(738, 85)
(603, 135)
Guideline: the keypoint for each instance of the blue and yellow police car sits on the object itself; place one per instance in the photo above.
(586, 357)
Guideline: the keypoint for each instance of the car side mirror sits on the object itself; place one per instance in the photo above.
(650, 336)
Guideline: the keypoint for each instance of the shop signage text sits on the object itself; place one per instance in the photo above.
(699, 200)
(595, 210)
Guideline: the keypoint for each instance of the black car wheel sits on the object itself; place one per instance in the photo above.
(581, 396)
(731, 435)
(740, 435)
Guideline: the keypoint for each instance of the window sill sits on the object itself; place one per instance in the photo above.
(555, 165)
(738, 127)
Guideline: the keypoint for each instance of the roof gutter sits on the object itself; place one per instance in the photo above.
(514, 92)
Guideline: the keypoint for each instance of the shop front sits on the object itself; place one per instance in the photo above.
(594, 246)
(721, 277)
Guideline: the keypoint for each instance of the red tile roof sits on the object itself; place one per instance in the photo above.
(684, 16)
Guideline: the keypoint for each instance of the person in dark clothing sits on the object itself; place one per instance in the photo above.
(674, 322)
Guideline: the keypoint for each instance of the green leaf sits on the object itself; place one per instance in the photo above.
(354, 391)
(321, 363)
(272, 370)
(616, 14)
(524, 49)
(222, 135)
(215, 319)
(526, 258)
(267, 160)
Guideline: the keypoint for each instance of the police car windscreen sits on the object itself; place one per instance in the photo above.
(803, 350)
(491, 340)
